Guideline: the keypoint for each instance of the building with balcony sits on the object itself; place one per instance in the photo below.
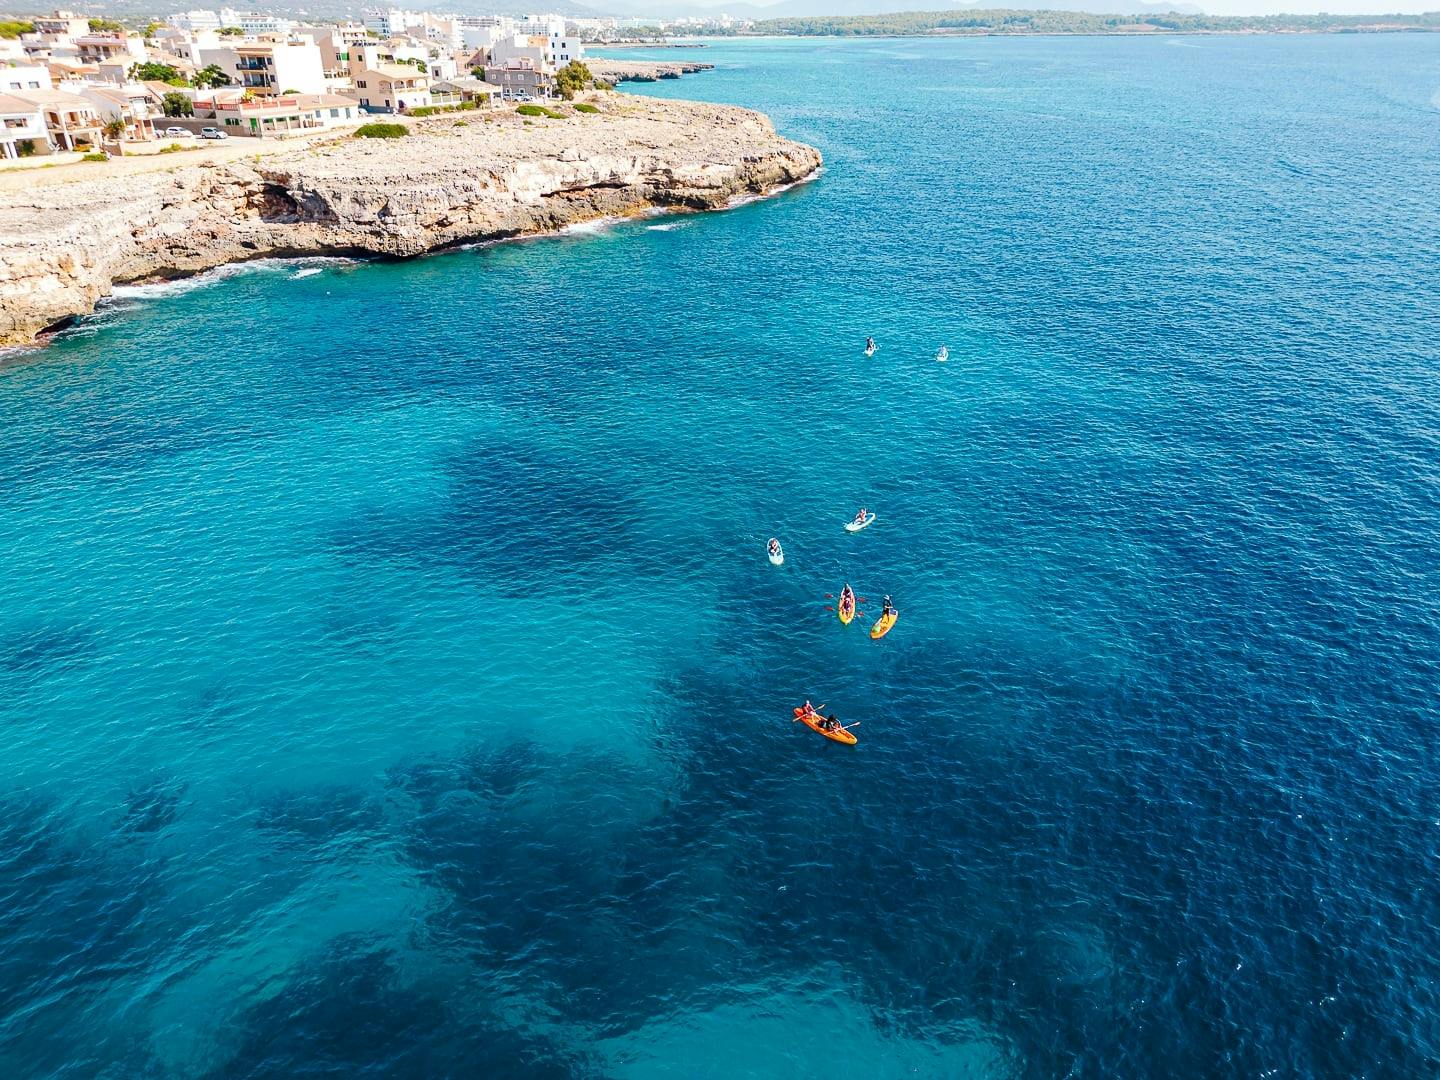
(461, 91)
(521, 77)
(99, 48)
(192, 21)
(272, 68)
(391, 88)
(71, 122)
(280, 116)
(22, 128)
(129, 102)
(61, 24)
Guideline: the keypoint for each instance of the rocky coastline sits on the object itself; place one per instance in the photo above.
(618, 71)
(485, 175)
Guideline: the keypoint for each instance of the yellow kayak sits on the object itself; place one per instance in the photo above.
(881, 628)
(846, 606)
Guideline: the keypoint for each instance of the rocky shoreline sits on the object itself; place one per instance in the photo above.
(472, 176)
(618, 71)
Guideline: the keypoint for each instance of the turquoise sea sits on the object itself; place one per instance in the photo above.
(393, 683)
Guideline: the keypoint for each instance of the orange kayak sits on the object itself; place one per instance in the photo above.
(812, 721)
(881, 628)
(845, 607)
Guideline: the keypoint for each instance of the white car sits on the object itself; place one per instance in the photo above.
(178, 133)
(212, 133)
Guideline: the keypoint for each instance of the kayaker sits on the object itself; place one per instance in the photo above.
(774, 547)
(860, 517)
(870, 344)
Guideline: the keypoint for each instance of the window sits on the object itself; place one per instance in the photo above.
(360, 83)
(334, 112)
(34, 86)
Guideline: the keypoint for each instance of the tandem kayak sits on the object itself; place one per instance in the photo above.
(812, 721)
(882, 627)
(845, 606)
(856, 526)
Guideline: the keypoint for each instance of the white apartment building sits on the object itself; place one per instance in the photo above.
(391, 22)
(519, 46)
(563, 49)
(194, 20)
(21, 122)
(98, 48)
(481, 37)
(24, 77)
(64, 25)
(272, 68)
(256, 22)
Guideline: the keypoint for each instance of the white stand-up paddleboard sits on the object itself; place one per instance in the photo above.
(943, 354)
(777, 556)
(856, 526)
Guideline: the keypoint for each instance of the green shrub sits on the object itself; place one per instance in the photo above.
(26, 147)
(381, 131)
(572, 78)
(601, 84)
(173, 148)
(431, 110)
(98, 157)
(178, 104)
(530, 110)
(585, 106)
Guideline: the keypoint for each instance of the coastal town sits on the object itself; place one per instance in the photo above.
(136, 155)
(76, 88)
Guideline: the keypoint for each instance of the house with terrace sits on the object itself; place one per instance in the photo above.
(277, 117)
(391, 88)
(22, 128)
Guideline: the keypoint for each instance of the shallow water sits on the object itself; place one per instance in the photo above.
(394, 682)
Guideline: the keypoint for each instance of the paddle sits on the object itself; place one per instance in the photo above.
(797, 719)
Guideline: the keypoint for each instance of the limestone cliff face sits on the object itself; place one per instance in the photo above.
(63, 245)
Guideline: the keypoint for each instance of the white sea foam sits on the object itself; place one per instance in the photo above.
(746, 200)
(667, 226)
(154, 290)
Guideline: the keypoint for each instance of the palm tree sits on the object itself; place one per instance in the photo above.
(114, 130)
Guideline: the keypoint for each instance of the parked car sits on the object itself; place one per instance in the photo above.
(212, 133)
(178, 133)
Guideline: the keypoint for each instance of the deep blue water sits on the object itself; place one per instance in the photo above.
(393, 683)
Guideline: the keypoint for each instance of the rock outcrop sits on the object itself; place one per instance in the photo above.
(472, 176)
(616, 71)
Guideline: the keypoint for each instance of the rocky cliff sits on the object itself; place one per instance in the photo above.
(479, 175)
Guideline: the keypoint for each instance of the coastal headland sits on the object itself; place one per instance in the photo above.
(617, 71)
(485, 175)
